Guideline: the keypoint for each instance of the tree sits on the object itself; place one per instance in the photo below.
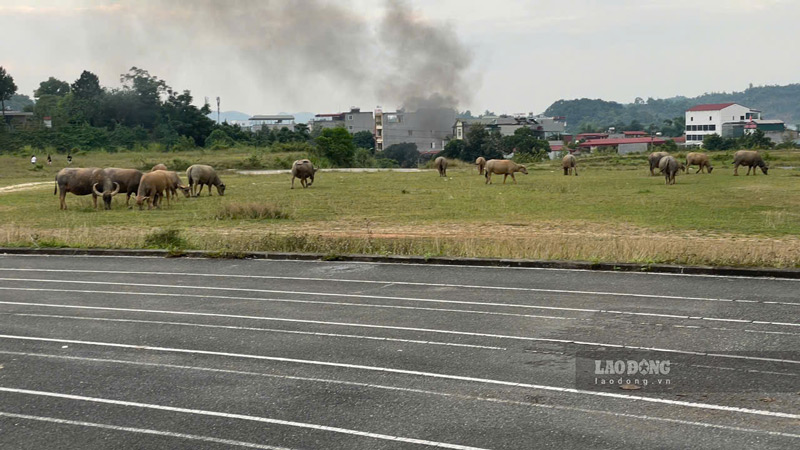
(87, 86)
(524, 142)
(405, 153)
(7, 89)
(301, 132)
(336, 145)
(755, 140)
(219, 139)
(364, 139)
(52, 86)
(454, 149)
(716, 142)
(181, 115)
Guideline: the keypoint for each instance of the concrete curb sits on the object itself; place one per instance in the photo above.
(476, 262)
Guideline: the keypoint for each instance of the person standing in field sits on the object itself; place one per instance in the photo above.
(69, 159)
(33, 160)
(49, 160)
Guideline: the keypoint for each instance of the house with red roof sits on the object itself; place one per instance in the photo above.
(634, 134)
(703, 120)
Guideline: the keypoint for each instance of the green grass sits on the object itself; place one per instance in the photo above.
(598, 215)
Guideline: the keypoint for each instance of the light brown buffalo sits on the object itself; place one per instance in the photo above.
(441, 166)
(158, 167)
(669, 166)
(151, 189)
(569, 163)
(700, 160)
(654, 158)
(503, 167)
(481, 163)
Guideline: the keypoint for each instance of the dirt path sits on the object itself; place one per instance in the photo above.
(24, 186)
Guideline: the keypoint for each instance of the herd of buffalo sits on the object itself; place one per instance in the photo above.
(151, 187)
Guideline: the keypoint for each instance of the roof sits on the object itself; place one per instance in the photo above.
(331, 115)
(272, 117)
(710, 107)
(556, 147)
(634, 133)
(679, 139)
(17, 113)
(605, 142)
(582, 135)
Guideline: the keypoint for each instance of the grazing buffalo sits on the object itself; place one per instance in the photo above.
(503, 167)
(151, 189)
(700, 160)
(749, 158)
(128, 180)
(305, 170)
(654, 158)
(669, 166)
(202, 175)
(158, 167)
(94, 181)
(441, 166)
(175, 184)
(481, 163)
(570, 164)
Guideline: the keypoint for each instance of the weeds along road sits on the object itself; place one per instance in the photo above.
(100, 352)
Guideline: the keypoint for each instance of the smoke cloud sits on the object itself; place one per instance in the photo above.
(401, 58)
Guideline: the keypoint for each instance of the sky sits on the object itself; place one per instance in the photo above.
(508, 56)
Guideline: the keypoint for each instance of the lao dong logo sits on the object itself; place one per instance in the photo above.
(631, 367)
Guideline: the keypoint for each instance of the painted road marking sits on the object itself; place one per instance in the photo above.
(409, 390)
(416, 373)
(241, 417)
(389, 327)
(193, 437)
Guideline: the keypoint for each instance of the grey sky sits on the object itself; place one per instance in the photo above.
(324, 56)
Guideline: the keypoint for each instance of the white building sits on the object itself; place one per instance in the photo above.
(702, 120)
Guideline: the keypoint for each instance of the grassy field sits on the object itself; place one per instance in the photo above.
(613, 211)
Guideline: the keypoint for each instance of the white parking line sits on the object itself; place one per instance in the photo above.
(404, 283)
(380, 297)
(270, 330)
(389, 327)
(287, 300)
(202, 412)
(193, 437)
(707, 406)
(409, 390)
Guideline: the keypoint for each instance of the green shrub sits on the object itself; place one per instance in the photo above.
(250, 210)
(218, 139)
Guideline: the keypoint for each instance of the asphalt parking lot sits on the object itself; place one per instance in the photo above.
(127, 352)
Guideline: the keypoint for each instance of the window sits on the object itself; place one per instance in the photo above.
(409, 132)
(350, 117)
(712, 128)
(742, 118)
(709, 118)
(459, 133)
(691, 119)
(705, 127)
(350, 127)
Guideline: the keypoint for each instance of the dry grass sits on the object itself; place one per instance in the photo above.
(250, 210)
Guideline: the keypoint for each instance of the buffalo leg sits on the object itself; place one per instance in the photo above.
(736, 170)
(62, 197)
(199, 190)
(575, 169)
(293, 181)
(505, 176)
(209, 190)
(94, 199)
(514, 178)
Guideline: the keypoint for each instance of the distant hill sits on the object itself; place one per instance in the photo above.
(229, 116)
(775, 102)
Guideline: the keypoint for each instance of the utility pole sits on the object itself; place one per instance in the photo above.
(217, 110)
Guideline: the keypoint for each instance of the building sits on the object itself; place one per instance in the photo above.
(623, 145)
(634, 134)
(353, 121)
(429, 128)
(17, 119)
(550, 128)
(704, 120)
(272, 122)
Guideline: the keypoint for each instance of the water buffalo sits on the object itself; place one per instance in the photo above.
(305, 170)
(128, 180)
(569, 164)
(481, 163)
(200, 175)
(441, 166)
(669, 166)
(151, 189)
(503, 167)
(700, 160)
(175, 184)
(92, 181)
(654, 158)
(158, 167)
(749, 158)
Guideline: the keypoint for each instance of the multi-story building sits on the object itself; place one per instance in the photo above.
(353, 121)
(272, 121)
(429, 128)
(543, 127)
(704, 120)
